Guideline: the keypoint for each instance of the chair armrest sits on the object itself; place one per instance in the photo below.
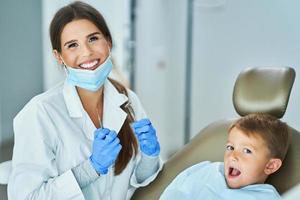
(5, 170)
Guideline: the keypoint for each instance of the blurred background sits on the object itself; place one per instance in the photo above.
(180, 56)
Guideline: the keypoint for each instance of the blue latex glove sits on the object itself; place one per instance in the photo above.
(106, 147)
(146, 135)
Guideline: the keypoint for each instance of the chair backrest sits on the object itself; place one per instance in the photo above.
(264, 90)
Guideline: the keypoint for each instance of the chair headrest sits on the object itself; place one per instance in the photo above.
(263, 90)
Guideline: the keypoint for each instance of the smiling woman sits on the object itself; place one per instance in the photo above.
(88, 137)
(89, 48)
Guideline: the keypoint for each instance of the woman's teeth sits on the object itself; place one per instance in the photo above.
(89, 65)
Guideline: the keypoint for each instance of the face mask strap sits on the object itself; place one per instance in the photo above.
(65, 68)
(64, 65)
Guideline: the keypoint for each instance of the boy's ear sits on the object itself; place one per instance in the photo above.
(272, 166)
(57, 56)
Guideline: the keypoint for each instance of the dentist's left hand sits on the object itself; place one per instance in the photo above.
(147, 138)
(106, 148)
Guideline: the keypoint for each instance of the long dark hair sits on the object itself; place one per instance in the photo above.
(79, 10)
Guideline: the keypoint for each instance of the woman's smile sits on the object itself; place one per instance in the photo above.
(90, 65)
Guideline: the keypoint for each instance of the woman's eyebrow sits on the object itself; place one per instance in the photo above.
(69, 42)
(94, 33)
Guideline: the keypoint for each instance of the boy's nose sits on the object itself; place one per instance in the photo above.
(234, 156)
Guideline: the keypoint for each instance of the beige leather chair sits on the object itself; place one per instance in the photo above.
(264, 90)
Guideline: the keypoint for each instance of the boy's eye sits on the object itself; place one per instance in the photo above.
(247, 151)
(229, 148)
(72, 45)
(93, 38)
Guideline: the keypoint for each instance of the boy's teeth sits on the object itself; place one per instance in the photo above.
(89, 65)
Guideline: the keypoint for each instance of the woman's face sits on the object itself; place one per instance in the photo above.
(83, 46)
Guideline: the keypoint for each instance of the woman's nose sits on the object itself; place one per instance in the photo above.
(86, 50)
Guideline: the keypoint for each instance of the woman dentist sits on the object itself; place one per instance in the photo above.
(87, 138)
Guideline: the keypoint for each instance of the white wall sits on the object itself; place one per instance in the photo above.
(21, 60)
(236, 35)
(160, 67)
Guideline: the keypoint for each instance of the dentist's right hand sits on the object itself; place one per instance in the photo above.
(106, 148)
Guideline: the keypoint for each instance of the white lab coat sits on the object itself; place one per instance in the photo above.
(53, 134)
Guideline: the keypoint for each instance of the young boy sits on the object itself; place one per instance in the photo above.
(256, 147)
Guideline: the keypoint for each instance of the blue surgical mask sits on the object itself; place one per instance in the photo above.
(90, 80)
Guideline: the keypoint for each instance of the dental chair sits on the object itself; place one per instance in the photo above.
(263, 90)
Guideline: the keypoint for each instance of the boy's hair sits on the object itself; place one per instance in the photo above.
(273, 131)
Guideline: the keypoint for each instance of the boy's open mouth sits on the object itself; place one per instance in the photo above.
(233, 172)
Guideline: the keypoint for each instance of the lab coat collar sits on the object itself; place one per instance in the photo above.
(113, 115)
(72, 100)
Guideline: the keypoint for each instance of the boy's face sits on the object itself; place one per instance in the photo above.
(246, 159)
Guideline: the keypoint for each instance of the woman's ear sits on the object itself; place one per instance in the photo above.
(57, 56)
(109, 44)
(272, 166)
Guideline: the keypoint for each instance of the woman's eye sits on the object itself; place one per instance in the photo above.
(93, 38)
(247, 151)
(229, 148)
(72, 45)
